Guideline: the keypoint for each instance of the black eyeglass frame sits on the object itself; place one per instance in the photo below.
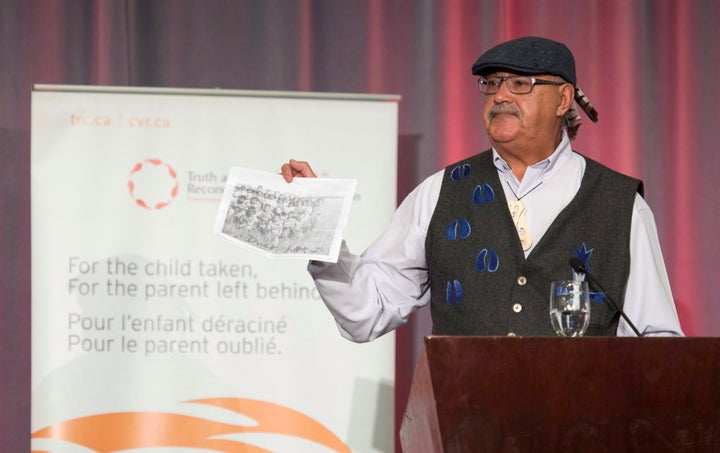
(533, 81)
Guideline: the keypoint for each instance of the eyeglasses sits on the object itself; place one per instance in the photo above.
(516, 84)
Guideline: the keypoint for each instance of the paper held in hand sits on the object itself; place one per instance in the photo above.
(261, 212)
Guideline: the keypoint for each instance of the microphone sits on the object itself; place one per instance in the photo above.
(579, 267)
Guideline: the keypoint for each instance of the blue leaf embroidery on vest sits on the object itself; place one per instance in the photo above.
(451, 231)
(493, 261)
(458, 292)
(480, 264)
(455, 174)
(459, 172)
(483, 194)
(489, 193)
(454, 292)
(477, 195)
(487, 260)
(464, 228)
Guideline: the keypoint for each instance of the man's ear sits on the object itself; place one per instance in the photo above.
(567, 96)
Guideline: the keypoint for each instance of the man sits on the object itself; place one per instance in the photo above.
(482, 240)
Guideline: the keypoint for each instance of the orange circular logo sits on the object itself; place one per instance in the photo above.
(153, 184)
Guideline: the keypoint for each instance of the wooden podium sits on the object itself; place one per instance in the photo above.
(536, 394)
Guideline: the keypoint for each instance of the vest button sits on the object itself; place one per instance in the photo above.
(517, 308)
(522, 280)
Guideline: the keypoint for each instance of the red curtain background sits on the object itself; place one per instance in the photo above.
(651, 68)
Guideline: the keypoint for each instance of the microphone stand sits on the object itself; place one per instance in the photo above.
(579, 267)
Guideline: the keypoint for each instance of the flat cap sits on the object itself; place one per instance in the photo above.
(529, 55)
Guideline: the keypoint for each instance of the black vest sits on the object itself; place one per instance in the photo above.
(481, 282)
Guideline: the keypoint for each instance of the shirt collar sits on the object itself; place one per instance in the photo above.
(540, 170)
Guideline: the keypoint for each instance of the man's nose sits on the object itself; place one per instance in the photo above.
(503, 91)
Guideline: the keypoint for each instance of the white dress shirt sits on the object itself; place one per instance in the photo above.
(375, 292)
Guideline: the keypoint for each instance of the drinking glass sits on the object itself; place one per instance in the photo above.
(569, 307)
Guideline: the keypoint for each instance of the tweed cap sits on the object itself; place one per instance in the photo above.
(529, 55)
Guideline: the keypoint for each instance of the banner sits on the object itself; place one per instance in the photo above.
(150, 333)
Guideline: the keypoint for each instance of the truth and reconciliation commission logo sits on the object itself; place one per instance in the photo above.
(153, 184)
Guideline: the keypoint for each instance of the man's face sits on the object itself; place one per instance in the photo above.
(524, 119)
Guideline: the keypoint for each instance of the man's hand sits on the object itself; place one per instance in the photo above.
(296, 168)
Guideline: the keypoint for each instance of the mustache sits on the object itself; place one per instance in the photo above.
(501, 109)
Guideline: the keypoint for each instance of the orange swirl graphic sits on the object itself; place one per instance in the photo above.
(111, 432)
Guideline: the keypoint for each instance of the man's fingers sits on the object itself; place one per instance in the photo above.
(287, 172)
(296, 168)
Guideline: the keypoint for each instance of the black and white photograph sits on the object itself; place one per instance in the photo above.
(261, 212)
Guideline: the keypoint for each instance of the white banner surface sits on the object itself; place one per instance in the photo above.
(150, 333)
